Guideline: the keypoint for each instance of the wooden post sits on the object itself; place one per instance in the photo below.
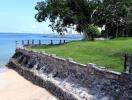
(23, 42)
(125, 62)
(130, 66)
(28, 42)
(60, 42)
(51, 42)
(39, 42)
(64, 41)
(32, 42)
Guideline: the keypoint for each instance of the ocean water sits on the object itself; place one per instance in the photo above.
(8, 42)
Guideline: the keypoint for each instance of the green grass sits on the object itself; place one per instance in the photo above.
(103, 53)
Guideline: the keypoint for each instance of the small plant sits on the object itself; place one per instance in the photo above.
(92, 30)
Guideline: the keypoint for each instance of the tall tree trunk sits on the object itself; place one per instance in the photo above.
(92, 37)
(85, 36)
(117, 31)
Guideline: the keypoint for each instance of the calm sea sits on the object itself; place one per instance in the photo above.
(8, 44)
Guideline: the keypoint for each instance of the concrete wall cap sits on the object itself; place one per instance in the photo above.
(69, 59)
(53, 55)
(91, 65)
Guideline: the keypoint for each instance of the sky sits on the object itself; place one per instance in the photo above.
(17, 16)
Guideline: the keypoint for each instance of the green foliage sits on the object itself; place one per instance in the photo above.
(92, 29)
(114, 14)
(65, 14)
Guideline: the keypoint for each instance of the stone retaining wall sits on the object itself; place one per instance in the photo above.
(69, 80)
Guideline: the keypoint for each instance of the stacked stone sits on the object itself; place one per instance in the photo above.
(69, 80)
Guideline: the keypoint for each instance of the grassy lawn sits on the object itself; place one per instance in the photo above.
(103, 53)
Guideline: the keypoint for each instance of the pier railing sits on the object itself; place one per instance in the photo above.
(40, 42)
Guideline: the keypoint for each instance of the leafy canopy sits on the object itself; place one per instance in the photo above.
(92, 29)
(79, 14)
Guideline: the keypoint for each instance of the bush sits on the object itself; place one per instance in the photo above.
(92, 29)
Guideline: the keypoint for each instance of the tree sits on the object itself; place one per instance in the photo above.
(129, 22)
(65, 14)
(113, 14)
(92, 30)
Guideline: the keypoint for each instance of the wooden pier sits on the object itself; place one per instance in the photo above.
(40, 42)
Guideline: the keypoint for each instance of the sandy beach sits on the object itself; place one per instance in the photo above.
(15, 87)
